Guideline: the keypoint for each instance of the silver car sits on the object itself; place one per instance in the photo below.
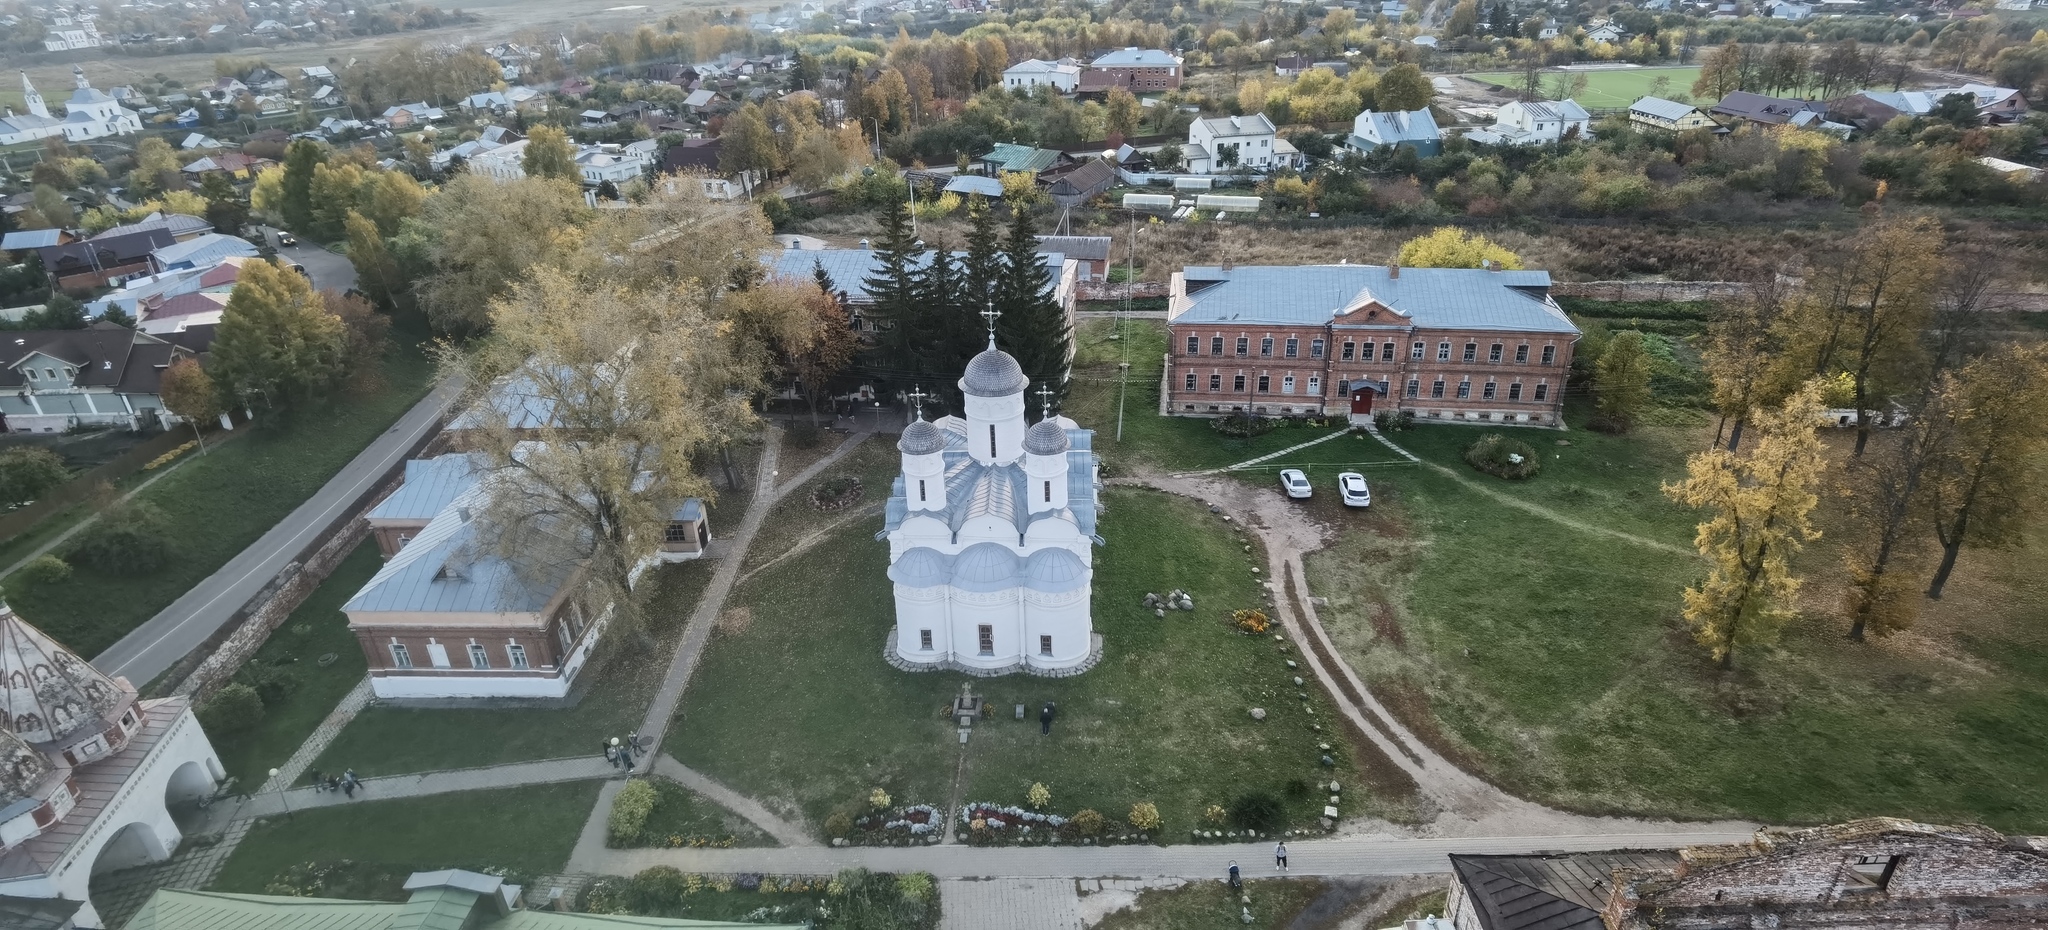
(1295, 483)
(1354, 490)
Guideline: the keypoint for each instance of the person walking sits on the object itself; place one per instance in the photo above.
(611, 754)
(1280, 857)
(1045, 715)
(349, 778)
(1235, 883)
(348, 787)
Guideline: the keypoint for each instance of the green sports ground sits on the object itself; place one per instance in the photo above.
(1617, 88)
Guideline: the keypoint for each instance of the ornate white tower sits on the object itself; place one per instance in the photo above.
(994, 403)
(1045, 466)
(924, 466)
(33, 99)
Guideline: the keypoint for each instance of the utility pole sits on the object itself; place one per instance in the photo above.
(1123, 389)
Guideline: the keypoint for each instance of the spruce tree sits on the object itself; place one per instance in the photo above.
(893, 296)
(948, 332)
(1033, 327)
(984, 266)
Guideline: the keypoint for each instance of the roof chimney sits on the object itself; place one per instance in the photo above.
(1394, 271)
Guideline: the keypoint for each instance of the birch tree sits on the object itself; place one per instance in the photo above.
(1759, 514)
(1988, 482)
(1742, 357)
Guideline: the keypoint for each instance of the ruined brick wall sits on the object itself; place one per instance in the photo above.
(1929, 867)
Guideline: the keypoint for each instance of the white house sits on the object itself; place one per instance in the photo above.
(991, 529)
(1372, 130)
(87, 771)
(1535, 122)
(1032, 72)
(1606, 34)
(618, 164)
(90, 114)
(1220, 144)
(37, 123)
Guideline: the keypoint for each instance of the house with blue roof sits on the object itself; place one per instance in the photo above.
(1373, 130)
(1477, 345)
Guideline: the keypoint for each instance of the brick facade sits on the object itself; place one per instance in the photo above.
(545, 648)
(1370, 359)
(1137, 78)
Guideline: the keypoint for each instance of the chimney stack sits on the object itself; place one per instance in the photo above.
(1394, 271)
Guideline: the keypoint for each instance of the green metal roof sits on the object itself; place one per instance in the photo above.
(1010, 156)
(429, 909)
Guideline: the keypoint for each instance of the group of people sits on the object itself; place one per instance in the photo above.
(620, 753)
(346, 782)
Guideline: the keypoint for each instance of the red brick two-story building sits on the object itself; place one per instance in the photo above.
(1448, 344)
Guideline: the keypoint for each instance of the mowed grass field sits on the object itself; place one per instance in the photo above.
(1617, 88)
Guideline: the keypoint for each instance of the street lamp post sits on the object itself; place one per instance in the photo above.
(280, 795)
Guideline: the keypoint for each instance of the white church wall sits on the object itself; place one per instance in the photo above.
(917, 610)
(997, 610)
(139, 801)
(1062, 616)
(997, 422)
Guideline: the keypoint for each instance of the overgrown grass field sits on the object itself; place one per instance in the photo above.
(1617, 88)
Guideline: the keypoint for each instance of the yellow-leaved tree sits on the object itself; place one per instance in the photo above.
(1759, 513)
(1451, 247)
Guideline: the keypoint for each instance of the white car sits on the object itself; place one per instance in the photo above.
(1353, 488)
(1295, 483)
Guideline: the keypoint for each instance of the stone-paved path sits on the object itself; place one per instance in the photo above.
(1009, 904)
(118, 895)
(322, 735)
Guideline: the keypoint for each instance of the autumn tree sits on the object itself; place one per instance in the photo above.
(1742, 359)
(1451, 247)
(1403, 88)
(1759, 508)
(1621, 379)
(277, 343)
(1123, 112)
(549, 155)
(389, 198)
(1885, 492)
(1987, 483)
(156, 167)
(801, 333)
(749, 148)
(640, 382)
(376, 271)
(484, 234)
(365, 337)
(295, 192)
(188, 391)
(29, 472)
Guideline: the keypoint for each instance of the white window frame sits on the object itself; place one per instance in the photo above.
(401, 657)
(479, 657)
(515, 655)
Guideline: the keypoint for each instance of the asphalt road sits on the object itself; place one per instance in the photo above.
(155, 646)
(330, 272)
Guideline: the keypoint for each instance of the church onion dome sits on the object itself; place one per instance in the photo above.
(1046, 438)
(921, 567)
(48, 694)
(22, 773)
(921, 438)
(984, 567)
(1054, 571)
(994, 373)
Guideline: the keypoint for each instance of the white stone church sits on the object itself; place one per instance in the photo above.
(88, 773)
(89, 114)
(991, 530)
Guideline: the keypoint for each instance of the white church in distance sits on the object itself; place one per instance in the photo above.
(991, 530)
(89, 114)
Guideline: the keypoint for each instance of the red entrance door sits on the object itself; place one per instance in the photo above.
(1361, 400)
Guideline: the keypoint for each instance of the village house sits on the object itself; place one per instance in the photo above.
(1222, 144)
(1090, 252)
(1880, 872)
(1063, 75)
(1416, 129)
(79, 267)
(88, 772)
(103, 375)
(1535, 122)
(1874, 108)
(1291, 65)
(1139, 69)
(1606, 33)
(1656, 114)
(1451, 344)
(1761, 110)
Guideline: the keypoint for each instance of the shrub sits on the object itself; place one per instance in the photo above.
(655, 890)
(46, 569)
(917, 887)
(234, 709)
(1088, 822)
(1145, 816)
(132, 538)
(839, 824)
(28, 472)
(1502, 457)
(1393, 421)
(878, 799)
(629, 812)
(1257, 810)
(1242, 425)
(1214, 813)
(1252, 621)
(273, 683)
(1039, 796)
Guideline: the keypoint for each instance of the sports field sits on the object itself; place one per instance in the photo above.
(1617, 88)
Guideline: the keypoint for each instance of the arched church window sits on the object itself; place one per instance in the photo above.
(991, 440)
(1048, 492)
(920, 490)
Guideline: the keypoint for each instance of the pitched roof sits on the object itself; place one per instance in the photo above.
(1140, 57)
(100, 782)
(1662, 108)
(30, 239)
(112, 252)
(1009, 156)
(1558, 892)
(976, 490)
(1085, 248)
(1554, 109)
(448, 568)
(210, 249)
(105, 354)
(1257, 124)
(975, 184)
(1462, 298)
(1394, 127)
(1761, 109)
(179, 224)
(850, 268)
(430, 486)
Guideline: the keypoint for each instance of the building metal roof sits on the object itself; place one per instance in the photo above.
(99, 782)
(179, 224)
(1008, 156)
(1046, 438)
(975, 184)
(1257, 124)
(977, 490)
(203, 251)
(1436, 298)
(1557, 892)
(1136, 57)
(1395, 127)
(921, 438)
(1567, 110)
(449, 568)
(30, 239)
(1083, 248)
(993, 373)
(1662, 108)
(430, 486)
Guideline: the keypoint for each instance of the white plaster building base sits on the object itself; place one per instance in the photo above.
(947, 664)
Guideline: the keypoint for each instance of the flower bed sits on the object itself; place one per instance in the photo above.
(899, 826)
(836, 493)
(990, 824)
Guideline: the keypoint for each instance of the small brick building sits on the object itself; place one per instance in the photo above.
(1880, 872)
(1139, 69)
(1448, 344)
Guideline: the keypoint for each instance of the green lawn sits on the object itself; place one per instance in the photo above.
(367, 848)
(221, 503)
(317, 628)
(797, 708)
(1616, 88)
(1275, 904)
(385, 740)
(683, 817)
(876, 462)
(1553, 659)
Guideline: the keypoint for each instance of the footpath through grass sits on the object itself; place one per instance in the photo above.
(218, 505)
(318, 628)
(389, 740)
(366, 849)
(794, 705)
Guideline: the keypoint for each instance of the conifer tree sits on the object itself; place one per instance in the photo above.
(946, 334)
(1033, 327)
(892, 292)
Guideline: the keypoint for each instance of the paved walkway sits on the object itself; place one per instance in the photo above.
(1009, 904)
(1375, 855)
(188, 622)
(324, 734)
(509, 775)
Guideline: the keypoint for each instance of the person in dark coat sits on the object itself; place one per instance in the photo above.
(1045, 716)
(1234, 882)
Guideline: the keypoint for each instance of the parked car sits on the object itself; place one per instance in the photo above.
(1351, 485)
(1295, 483)
(287, 240)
